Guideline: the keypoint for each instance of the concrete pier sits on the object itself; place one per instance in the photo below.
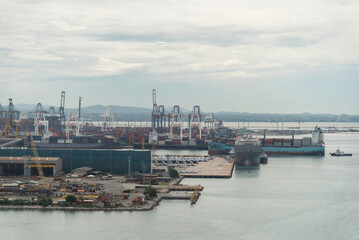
(218, 167)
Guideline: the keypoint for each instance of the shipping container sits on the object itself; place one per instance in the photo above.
(297, 142)
(192, 143)
(168, 142)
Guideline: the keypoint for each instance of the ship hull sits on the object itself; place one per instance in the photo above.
(77, 146)
(302, 151)
(172, 147)
(341, 155)
(247, 154)
(221, 148)
(215, 148)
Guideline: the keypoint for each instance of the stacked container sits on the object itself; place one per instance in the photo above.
(277, 142)
(268, 142)
(307, 141)
(297, 142)
(287, 142)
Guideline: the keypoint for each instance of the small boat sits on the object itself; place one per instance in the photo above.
(339, 153)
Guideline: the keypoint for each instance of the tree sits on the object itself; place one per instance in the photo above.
(45, 201)
(150, 192)
(173, 173)
(71, 199)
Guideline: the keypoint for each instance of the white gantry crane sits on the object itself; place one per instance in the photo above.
(108, 119)
(73, 122)
(210, 122)
(40, 121)
(175, 120)
(194, 120)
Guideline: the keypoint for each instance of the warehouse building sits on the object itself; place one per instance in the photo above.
(20, 166)
(116, 161)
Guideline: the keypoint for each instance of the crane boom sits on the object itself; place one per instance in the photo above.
(37, 159)
(154, 100)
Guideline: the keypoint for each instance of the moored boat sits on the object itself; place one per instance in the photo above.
(313, 146)
(247, 151)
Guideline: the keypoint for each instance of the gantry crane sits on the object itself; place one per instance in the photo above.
(11, 123)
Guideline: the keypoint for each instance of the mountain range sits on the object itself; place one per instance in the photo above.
(125, 113)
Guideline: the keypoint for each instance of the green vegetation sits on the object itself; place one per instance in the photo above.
(173, 173)
(150, 192)
(16, 202)
(45, 201)
(64, 204)
(5, 201)
(71, 199)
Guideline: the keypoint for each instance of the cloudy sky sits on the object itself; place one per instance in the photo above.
(284, 56)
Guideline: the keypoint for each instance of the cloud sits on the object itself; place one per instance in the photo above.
(174, 41)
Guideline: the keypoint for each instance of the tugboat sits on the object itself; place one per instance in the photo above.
(339, 153)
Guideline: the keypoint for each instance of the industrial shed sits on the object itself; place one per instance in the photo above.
(18, 166)
(116, 161)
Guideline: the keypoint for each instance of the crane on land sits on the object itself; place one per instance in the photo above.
(38, 163)
(108, 119)
(11, 123)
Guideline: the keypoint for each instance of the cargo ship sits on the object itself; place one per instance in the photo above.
(313, 146)
(77, 142)
(162, 141)
(247, 151)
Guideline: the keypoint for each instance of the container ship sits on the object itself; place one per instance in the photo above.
(247, 152)
(162, 141)
(77, 142)
(313, 146)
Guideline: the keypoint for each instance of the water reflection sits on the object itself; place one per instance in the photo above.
(247, 171)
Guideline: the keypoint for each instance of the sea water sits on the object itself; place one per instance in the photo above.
(292, 197)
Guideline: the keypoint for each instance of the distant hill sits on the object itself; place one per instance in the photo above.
(276, 117)
(125, 113)
(116, 109)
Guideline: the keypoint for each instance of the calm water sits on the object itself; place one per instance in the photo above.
(290, 198)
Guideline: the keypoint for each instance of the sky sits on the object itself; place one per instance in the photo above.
(259, 56)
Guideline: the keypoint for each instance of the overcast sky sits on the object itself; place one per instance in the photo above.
(284, 56)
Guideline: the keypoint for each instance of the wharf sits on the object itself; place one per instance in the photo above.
(182, 196)
(218, 167)
(185, 188)
(177, 196)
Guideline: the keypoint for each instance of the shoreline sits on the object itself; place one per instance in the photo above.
(148, 207)
(151, 205)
